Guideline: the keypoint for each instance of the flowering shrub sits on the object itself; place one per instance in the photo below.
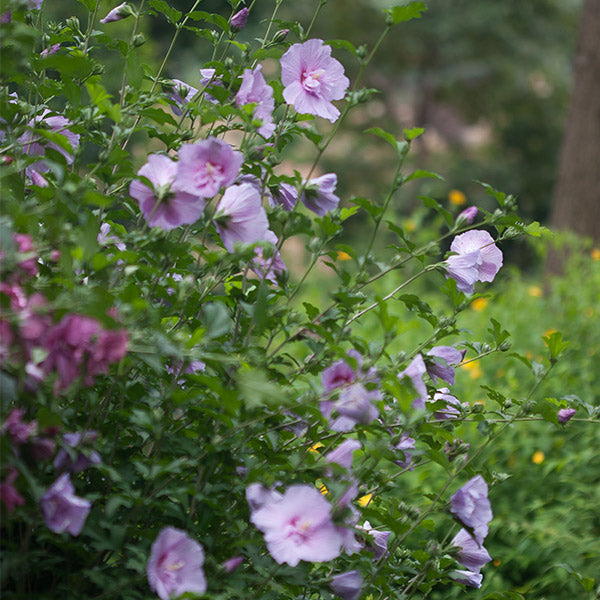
(178, 418)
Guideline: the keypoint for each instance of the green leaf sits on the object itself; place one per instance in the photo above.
(172, 15)
(400, 14)
(421, 174)
(413, 133)
(555, 344)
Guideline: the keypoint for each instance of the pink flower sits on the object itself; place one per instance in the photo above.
(207, 166)
(181, 95)
(342, 455)
(258, 495)
(339, 374)
(312, 79)
(77, 460)
(8, 492)
(319, 195)
(477, 258)
(268, 267)
(240, 216)
(286, 195)
(415, 371)
(255, 90)
(175, 565)
(354, 405)
(467, 216)
(166, 204)
(298, 526)
(62, 510)
(116, 14)
(231, 564)
(50, 51)
(380, 540)
(25, 246)
(20, 431)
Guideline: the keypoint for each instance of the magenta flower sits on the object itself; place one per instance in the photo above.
(347, 586)
(312, 79)
(207, 166)
(181, 95)
(415, 371)
(240, 216)
(55, 124)
(8, 492)
(477, 258)
(444, 359)
(175, 565)
(238, 21)
(471, 505)
(299, 527)
(117, 13)
(342, 455)
(319, 195)
(565, 415)
(339, 374)
(77, 460)
(166, 204)
(25, 246)
(20, 431)
(5, 17)
(50, 51)
(62, 510)
(255, 90)
(471, 554)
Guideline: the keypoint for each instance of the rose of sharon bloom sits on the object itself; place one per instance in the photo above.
(8, 492)
(268, 267)
(467, 216)
(477, 258)
(207, 166)
(299, 527)
(50, 51)
(380, 540)
(471, 555)
(181, 95)
(231, 564)
(258, 495)
(348, 585)
(406, 443)
(238, 21)
(319, 195)
(354, 405)
(175, 565)
(565, 415)
(81, 460)
(166, 204)
(342, 455)
(312, 79)
(452, 409)
(208, 79)
(468, 578)
(116, 14)
(62, 509)
(444, 359)
(240, 216)
(55, 124)
(255, 90)
(286, 195)
(471, 505)
(20, 431)
(415, 371)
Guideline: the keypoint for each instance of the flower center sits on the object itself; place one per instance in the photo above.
(311, 80)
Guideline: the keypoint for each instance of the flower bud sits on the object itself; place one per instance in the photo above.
(118, 13)
(238, 21)
(280, 36)
(565, 415)
(139, 40)
(467, 215)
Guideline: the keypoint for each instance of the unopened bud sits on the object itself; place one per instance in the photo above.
(117, 13)
(467, 215)
(280, 36)
(139, 40)
(238, 21)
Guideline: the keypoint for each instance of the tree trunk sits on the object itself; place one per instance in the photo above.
(577, 193)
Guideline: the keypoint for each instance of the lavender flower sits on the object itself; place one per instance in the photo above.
(105, 237)
(238, 21)
(299, 527)
(240, 216)
(82, 461)
(348, 585)
(565, 415)
(255, 90)
(452, 409)
(268, 267)
(467, 216)
(312, 79)
(50, 51)
(181, 95)
(380, 540)
(231, 564)
(207, 78)
(258, 495)
(166, 205)
(406, 443)
(477, 258)
(117, 13)
(339, 374)
(471, 505)
(286, 195)
(8, 492)
(445, 358)
(62, 510)
(175, 565)
(207, 166)
(319, 195)
(20, 431)
(415, 371)
(468, 578)
(342, 455)
(471, 554)
(354, 405)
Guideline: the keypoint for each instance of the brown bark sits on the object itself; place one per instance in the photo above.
(576, 204)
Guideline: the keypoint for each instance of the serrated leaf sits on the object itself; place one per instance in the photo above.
(400, 14)
(172, 14)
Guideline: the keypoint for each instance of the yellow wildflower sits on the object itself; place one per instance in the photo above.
(535, 291)
(364, 500)
(409, 226)
(538, 457)
(473, 368)
(457, 198)
(315, 448)
(341, 255)
(479, 304)
(595, 254)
